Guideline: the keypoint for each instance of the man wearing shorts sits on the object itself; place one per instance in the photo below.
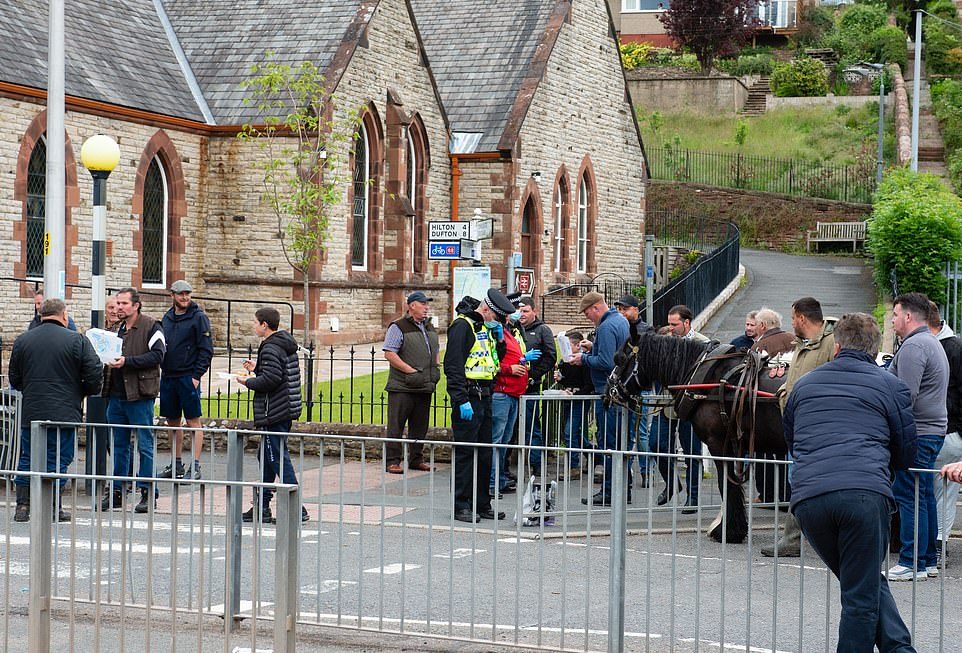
(189, 350)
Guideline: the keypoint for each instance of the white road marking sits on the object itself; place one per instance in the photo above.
(457, 554)
(394, 568)
(326, 587)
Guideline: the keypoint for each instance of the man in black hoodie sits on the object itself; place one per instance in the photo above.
(189, 350)
(537, 336)
(276, 384)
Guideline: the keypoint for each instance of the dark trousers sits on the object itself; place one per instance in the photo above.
(472, 465)
(275, 459)
(768, 489)
(662, 439)
(414, 410)
(60, 452)
(849, 529)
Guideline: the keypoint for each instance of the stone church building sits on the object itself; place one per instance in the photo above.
(514, 107)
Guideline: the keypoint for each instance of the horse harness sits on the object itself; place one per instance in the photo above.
(738, 387)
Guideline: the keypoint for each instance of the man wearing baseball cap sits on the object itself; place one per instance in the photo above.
(411, 348)
(189, 351)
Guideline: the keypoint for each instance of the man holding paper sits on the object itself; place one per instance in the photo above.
(54, 368)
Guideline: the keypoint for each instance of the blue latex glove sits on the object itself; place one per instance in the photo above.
(467, 412)
(532, 355)
(498, 331)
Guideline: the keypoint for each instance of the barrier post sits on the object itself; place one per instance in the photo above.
(41, 559)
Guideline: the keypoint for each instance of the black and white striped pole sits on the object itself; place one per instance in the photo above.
(100, 155)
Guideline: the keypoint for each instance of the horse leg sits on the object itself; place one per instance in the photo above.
(732, 517)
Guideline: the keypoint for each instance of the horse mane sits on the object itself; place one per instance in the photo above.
(668, 360)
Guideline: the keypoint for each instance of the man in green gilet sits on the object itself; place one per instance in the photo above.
(411, 347)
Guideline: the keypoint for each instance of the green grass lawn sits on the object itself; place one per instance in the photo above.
(361, 401)
(828, 134)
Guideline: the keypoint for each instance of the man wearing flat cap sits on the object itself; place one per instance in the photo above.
(411, 348)
(611, 333)
(471, 361)
(189, 351)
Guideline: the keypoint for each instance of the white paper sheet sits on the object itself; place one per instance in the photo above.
(107, 344)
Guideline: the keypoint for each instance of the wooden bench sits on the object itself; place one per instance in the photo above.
(837, 232)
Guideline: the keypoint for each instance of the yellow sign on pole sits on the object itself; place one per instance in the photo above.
(46, 244)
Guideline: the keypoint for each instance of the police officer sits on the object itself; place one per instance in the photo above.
(470, 365)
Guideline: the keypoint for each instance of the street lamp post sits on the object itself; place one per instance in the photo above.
(99, 155)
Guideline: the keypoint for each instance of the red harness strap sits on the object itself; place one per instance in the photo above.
(712, 386)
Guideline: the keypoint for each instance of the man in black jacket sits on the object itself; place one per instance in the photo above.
(276, 384)
(54, 368)
(189, 350)
(849, 424)
(537, 336)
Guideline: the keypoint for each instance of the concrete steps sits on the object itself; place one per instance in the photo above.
(755, 103)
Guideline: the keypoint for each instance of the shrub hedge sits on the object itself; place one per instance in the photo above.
(915, 227)
(801, 77)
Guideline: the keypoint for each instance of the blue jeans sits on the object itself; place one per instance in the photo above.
(504, 414)
(690, 444)
(65, 441)
(120, 415)
(608, 421)
(533, 435)
(849, 530)
(928, 518)
(574, 429)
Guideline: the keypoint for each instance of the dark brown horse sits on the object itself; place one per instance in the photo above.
(733, 423)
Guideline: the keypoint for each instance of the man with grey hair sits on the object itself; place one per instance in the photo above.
(769, 334)
(54, 368)
(848, 423)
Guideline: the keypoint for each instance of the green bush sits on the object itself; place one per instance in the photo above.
(916, 226)
(863, 19)
(955, 170)
(887, 78)
(635, 54)
(887, 45)
(801, 77)
(944, 9)
(943, 48)
(753, 64)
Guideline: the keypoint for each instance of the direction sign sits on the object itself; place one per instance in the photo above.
(448, 231)
(444, 251)
(470, 249)
(482, 229)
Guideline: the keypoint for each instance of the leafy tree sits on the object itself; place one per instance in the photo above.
(916, 226)
(710, 28)
(303, 140)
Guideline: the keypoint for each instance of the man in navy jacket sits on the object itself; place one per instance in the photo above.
(849, 424)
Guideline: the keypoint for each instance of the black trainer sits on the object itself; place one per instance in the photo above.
(113, 501)
(168, 471)
(266, 516)
(144, 504)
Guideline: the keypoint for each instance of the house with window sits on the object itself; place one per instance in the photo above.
(637, 20)
(516, 109)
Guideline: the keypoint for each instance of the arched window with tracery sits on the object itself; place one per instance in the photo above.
(561, 222)
(36, 208)
(154, 225)
(361, 206)
(416, 187)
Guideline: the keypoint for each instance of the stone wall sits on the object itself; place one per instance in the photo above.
(22, 122)
(697, 92)
(772, 102)
(903, 119)
(579, 122)
(247, 257)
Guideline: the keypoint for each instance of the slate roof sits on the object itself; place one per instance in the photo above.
(116, 51)
(480, 53)
(223, 39)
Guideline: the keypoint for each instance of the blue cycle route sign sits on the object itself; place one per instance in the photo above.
(444, 251)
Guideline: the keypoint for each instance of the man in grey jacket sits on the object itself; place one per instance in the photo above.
(922, 365)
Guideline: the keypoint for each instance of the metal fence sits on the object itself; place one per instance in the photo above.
(382, 554)
(846, 183)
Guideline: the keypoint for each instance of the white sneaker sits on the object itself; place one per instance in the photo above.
(901, 573)
(932, 572)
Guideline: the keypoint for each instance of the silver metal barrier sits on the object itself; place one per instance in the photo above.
(382, 553)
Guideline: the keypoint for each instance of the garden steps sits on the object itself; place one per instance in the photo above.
(755, 103)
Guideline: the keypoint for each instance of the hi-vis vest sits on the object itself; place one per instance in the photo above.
(482, 363)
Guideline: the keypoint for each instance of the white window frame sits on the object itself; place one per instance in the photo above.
(164, 228)
(413, 193)
(558, 227)
(583, 225)
(632, 7)
(367, 198)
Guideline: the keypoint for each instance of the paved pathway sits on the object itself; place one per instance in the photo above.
(775, 280)
(931, 145)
